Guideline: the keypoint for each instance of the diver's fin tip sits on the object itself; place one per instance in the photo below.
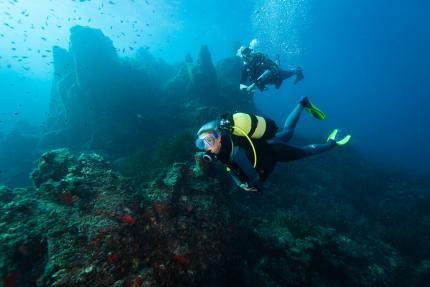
(332, 135)
(344, 141)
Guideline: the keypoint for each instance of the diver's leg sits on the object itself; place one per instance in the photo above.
(319, 148)
(285, 74)
(282, 75)
(299, 75)
(285, 152)
(290, 124)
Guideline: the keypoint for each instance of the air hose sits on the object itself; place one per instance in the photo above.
(250, 142)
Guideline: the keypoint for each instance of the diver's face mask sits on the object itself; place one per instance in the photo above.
(206, 140)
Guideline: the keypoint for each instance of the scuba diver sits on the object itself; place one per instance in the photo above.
(259, 71)
(250, 146)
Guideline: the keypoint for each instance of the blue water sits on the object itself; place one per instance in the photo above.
(365, 62)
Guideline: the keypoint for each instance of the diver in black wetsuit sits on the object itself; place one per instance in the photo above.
(240, 154)
(259, 71)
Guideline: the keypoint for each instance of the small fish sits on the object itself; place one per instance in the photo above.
(43, 38)
(15, 114)
(111, 2)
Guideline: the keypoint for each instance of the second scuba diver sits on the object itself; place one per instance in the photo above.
(250, 146)
(258, 71)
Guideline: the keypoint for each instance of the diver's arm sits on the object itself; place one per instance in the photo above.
(242, 161)
(235, 179)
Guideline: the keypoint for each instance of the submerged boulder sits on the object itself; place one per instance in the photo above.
(83, 224)
(322, 257)
(100, 101)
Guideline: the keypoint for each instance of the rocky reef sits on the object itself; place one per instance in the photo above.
(83, 224)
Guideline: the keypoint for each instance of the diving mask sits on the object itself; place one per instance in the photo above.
(206, 140)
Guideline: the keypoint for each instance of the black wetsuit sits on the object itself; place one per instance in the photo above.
(256, 65)
(237, 154)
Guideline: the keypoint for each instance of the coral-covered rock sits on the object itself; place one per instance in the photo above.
(52, 166)
(6, 195)
(187, 226)
(84, 225)
(319, 256)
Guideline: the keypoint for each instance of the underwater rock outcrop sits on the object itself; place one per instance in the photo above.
(100, 101)
(287, 252)
(84, 225)
(62, 232)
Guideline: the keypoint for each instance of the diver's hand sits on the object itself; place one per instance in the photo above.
(246, 187)
(250, 88)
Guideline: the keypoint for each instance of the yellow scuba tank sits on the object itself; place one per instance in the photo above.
(249, 126)
(255, 127)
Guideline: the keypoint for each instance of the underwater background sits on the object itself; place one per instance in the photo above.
(100, 102)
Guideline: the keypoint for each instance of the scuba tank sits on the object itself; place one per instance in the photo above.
(249, 125)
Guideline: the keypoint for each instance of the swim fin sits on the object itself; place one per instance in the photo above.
(312, 109)
(340, 142)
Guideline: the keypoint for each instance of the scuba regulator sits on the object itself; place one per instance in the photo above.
(208, 157)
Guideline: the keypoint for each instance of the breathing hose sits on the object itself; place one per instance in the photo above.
(250, 142)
